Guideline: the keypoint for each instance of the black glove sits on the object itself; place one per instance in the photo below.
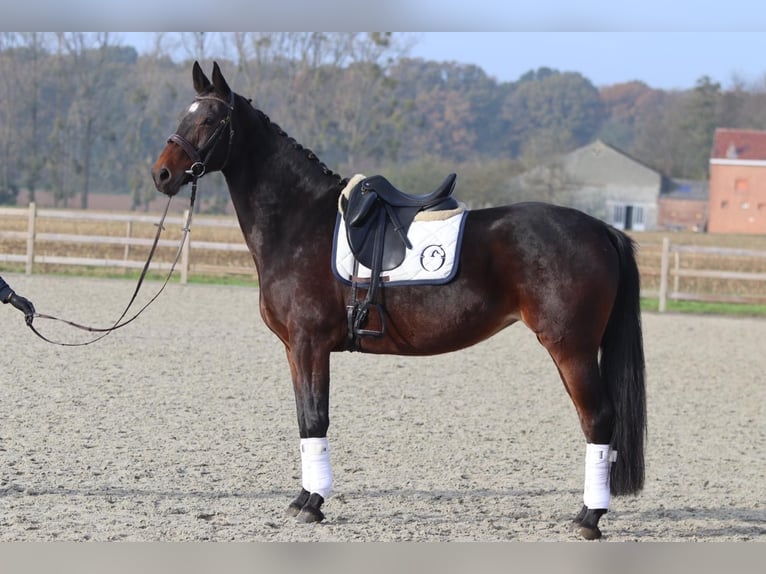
(24, 305)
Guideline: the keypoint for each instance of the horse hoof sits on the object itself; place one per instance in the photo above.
(586, 522)
(293, 509)
(310, 510)
(308, 515)
(590, 533)
(300, 501)
(577, 522)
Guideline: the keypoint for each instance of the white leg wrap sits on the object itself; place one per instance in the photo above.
(598, 462)
(315, 466)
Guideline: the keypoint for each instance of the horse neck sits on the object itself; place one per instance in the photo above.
(285, 199)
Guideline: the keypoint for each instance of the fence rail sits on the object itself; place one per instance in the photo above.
(676, 272)
(32, 238)
(196, 255)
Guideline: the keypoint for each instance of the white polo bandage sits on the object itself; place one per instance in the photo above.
(315, 466)
(598, 462)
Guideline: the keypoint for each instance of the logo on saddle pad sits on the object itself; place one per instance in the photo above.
(429, 256)
(432, 258)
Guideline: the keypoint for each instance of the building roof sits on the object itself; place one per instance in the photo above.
(687, 189)
(601, 163)
(739, 144)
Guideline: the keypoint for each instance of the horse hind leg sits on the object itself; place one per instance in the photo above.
(582, 380)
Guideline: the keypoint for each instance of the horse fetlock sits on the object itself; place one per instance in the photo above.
(311, 510)
(598, 462)
(586, 522)
(300, 501)
(315, 466)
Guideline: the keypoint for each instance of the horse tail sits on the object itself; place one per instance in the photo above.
(622, 367)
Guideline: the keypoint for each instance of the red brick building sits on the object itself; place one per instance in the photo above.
(683, 206)
(738, 182)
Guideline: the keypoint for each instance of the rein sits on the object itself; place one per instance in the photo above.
(119, 322)
(200, 157)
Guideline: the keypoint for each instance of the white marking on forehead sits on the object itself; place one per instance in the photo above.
(193, 107)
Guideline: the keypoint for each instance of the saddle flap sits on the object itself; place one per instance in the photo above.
(378, 217)
(366, 239)
(359, 208)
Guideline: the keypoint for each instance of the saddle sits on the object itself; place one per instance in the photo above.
(378, 217)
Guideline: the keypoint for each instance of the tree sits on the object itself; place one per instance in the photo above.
(622, 106)
(553, 102)
(698, 121)
(92, 64)
(333, 87)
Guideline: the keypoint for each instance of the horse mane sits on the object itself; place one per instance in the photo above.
(276, 129)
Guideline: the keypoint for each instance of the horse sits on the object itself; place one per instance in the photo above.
(569, 277)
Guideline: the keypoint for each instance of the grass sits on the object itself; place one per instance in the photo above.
(236, 268)
(706, 308)
(648, 304)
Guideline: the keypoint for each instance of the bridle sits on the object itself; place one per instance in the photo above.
(200, 156)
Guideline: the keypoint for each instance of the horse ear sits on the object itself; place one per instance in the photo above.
(219, 82)
(200, 79)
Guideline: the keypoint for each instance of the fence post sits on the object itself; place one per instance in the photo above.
(31, 232)
(185, 249)
(126, 251)
(664, 265)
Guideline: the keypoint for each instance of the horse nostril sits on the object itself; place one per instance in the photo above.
(164, 175)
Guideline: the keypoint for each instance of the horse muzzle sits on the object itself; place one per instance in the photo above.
(169, 178)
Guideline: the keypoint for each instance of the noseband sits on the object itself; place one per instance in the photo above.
(201, 156)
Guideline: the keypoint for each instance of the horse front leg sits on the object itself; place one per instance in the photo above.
(311, 383)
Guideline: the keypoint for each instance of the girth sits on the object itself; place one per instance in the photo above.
(378, 217)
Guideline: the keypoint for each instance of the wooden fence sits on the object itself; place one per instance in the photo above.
(676, 272)
(33, 238)
(663, 267)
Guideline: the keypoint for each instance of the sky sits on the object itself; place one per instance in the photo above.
(668, 44)
(664, 60)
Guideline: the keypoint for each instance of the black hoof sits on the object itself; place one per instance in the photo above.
(311, 510)
(580, 515)
(586, 523)
(306, 507)
(300, 501)
(590, 533)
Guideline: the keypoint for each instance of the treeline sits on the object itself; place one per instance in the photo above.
(82, 113)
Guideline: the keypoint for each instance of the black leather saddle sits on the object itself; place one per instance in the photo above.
(378, 217)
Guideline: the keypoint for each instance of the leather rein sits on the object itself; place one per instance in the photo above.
(200, 158)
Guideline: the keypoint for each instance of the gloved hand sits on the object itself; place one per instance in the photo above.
(24, 305)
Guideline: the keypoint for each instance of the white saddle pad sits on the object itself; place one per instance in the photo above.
(432, 259)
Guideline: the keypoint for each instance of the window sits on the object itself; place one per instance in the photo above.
(741, 184)
(626, 216)
(638, 218)
(618, 216)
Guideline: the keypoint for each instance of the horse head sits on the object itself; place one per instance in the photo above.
(197, 146)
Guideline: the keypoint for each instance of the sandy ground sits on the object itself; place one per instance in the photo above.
(181, 427)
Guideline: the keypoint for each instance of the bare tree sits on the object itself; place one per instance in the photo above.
(90, 65)
(333, 87)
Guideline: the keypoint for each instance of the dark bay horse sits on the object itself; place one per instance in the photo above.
(572, 279)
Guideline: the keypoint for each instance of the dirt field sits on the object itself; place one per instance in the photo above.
(182, 427)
